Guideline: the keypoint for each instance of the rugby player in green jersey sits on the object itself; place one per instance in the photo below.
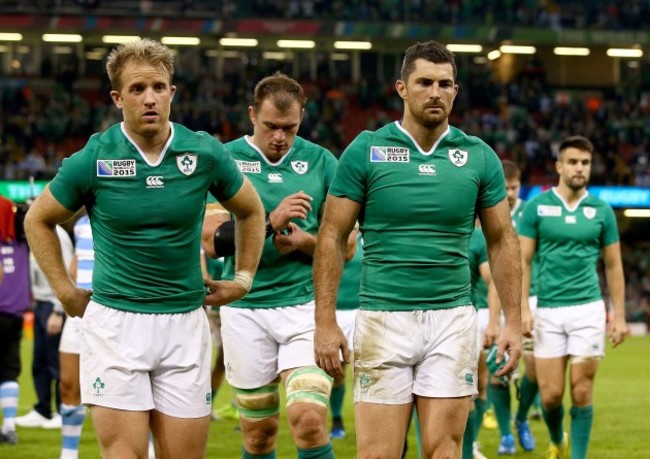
(566, 229)
(146, 345)
(268, 336)
(416, 186)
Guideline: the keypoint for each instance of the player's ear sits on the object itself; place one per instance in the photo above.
(117, 100)
(400, 86)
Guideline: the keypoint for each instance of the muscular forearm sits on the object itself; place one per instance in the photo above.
(616, 287)
(328, 268)
(506, 275)
(46, 248)
(249, 240)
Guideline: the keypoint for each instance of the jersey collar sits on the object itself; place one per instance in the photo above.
(433, 148)
(144, 157)
(565, 204)
(249, 141)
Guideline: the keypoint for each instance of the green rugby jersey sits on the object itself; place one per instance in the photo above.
(349, 287)
(146, 218)
(569, 243)
(417, 214)
(516, 214)
(477, 256)
(283, 280)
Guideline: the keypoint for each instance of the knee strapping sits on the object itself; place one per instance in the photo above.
(578, 359)
(258, 404)
(309, 385)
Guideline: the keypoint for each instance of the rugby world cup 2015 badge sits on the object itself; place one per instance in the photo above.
(389, 154)
(186, 163)
(120, 168)
(457, 157)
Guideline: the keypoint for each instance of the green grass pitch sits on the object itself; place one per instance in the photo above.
(622, 417)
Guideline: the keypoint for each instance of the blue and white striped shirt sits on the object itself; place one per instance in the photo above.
(85, 252)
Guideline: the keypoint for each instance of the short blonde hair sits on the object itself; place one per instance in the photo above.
(145, 51)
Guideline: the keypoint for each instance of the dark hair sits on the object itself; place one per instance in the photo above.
(283, 90)
(511, 170)
(576, 141)
(431, 51)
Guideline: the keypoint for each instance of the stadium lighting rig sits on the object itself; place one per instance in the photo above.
(464, 48)
(243, 42)
(62, 37)
(569, 51)
(352, 45)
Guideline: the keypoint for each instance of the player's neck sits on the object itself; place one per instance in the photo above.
(425, 136)
(151, 146)
(570, 195)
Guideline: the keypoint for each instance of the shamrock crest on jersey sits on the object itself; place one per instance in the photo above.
(457, 157)
(186, 163)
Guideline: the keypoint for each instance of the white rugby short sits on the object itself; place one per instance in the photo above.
(258, 344)
(139, 362)
(345, 319)
(430, 353)
(578, 331)
(71, 336)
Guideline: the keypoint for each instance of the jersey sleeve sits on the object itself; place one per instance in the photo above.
(527, 225)
(609, 234)
(226, 179)
(72, 185)
(329, 168)
(493, 184)
(350, 177)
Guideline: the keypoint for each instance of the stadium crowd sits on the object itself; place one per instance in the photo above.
(560, 14)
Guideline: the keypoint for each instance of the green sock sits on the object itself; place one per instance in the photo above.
(481, 407)
(336, 400)
(537, 402)
(501, 400)
(529, 391)
(581, 420)
(553, 419)
(246, 455)
(469, 437)
(320, 452)
(418, 433)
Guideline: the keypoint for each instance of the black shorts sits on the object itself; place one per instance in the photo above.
(11, 331)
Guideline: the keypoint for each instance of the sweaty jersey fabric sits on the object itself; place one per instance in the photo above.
(516, 215)
(349, 287)
(283, 280)
(477, 256)
(146, 218)
(569, 242)
(417, 214)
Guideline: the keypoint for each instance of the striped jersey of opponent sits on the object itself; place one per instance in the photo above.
(569, 242)
(418, 212)
(146, 217)
(85, 253)
(283, 280)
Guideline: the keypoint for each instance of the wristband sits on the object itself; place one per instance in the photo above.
(244, 279)
(268, 228)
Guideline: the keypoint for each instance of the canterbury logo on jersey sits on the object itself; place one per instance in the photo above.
(249, 167)
(275, 178)
(427, 169)
(116, 168)
(155, 181)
